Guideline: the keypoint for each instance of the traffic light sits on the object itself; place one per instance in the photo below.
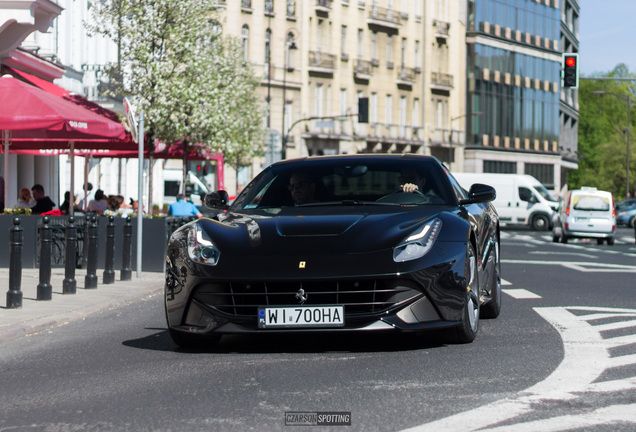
(570, 64)
(363, 110)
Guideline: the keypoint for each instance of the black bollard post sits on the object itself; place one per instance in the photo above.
(126, 269)
(14, 295)
(69, 285)
(45, 290)
(90, 280)
(109, 266)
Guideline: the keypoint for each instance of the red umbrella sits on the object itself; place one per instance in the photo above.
(32, 118)
(32, 113)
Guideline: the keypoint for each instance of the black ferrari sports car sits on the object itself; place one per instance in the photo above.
(338, 244)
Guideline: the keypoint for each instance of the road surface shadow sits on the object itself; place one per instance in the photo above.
(296, 343)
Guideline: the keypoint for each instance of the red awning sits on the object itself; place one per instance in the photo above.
(41, 83)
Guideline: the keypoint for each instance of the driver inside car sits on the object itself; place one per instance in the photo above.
(411, 181)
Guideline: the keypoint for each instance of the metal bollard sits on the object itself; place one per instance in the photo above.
(14, 295)
(90, 280)
(45, 290)
(126, 269)
(69, 285)
(109, 266)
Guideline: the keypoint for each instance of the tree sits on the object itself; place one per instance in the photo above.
(189, 78)
(602, 133)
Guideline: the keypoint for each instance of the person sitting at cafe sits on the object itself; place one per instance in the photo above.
(43, 203)
(99, 204)
(183, 208)
(25, 200)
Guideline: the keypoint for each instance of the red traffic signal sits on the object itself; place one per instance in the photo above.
(570, 64)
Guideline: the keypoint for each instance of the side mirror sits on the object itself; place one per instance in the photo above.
(480, 193)
(217, 200)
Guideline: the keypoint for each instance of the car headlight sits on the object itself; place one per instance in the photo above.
(419, 243)
(201, 249)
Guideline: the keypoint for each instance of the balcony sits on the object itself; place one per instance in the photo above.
(384, 19)
(441, 81)
(246, 6)
(406, 76)
(363, 70)
(323, 7)
(321, 63)
(442, 29)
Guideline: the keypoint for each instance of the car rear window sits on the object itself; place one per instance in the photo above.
(591, 203)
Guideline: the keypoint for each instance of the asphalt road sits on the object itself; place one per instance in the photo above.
(562, 355)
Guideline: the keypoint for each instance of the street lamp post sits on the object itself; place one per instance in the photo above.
(629, 100)
(289, 45)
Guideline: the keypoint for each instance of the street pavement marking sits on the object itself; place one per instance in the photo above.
(521, 294)
(505, 282)
(586, 357)
(580, 266)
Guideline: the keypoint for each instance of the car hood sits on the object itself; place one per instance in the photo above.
(325, 231)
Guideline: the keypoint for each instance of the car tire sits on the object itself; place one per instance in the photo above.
(555, 238)
(564, 239)
(540, 223)
(467, 330)
(610, 241)
(492, 309)
(631, 222)
(193, 341)
(599, 241)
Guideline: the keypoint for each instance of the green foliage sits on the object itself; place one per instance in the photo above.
(187, 76)
(603, 133)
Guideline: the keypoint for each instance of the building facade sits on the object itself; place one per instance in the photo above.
(520, 119)
(317, 59)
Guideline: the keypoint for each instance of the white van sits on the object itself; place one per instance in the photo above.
(521, 199)
(586, 213)
(172, 180)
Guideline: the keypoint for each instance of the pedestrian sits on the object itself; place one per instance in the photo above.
(65, 206)
(183, 208)
(43, 203)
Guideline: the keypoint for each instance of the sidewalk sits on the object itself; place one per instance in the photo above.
(37, 315)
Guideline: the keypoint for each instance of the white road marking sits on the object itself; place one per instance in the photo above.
(586, 357)
(505, 282)
(562, 253)
(521, 294)
(579, 266)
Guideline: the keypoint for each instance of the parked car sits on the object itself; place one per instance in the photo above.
(629, 202)
(626, 215)
(364, 256)
(521, 199)
(586, 213)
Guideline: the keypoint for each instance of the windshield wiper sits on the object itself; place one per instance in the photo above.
(347, 202)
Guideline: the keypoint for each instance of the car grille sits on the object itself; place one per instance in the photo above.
(360, 298)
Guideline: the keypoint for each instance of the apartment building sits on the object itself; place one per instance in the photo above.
(317, 58)
(520, 119)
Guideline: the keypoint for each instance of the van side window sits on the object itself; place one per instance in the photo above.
(525, 194)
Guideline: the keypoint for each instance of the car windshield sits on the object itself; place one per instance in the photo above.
(355, 181)
(545, 193)
(591, 202)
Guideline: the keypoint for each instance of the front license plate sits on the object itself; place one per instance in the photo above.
(301, 316)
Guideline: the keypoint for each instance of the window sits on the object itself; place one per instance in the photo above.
(269, 6)
(502, 167)
(291, 8)
(268, 46)
(403, 52)
(360, 40)
(374, 46)
(373, 108)
(343, 101)
(245, 40)
(388, 110)
(415, 120)
(343, 40)
(416, 63)
(319, 106)
(389, 49)
(403, 116)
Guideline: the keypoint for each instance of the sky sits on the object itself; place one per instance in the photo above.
(607, 35)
